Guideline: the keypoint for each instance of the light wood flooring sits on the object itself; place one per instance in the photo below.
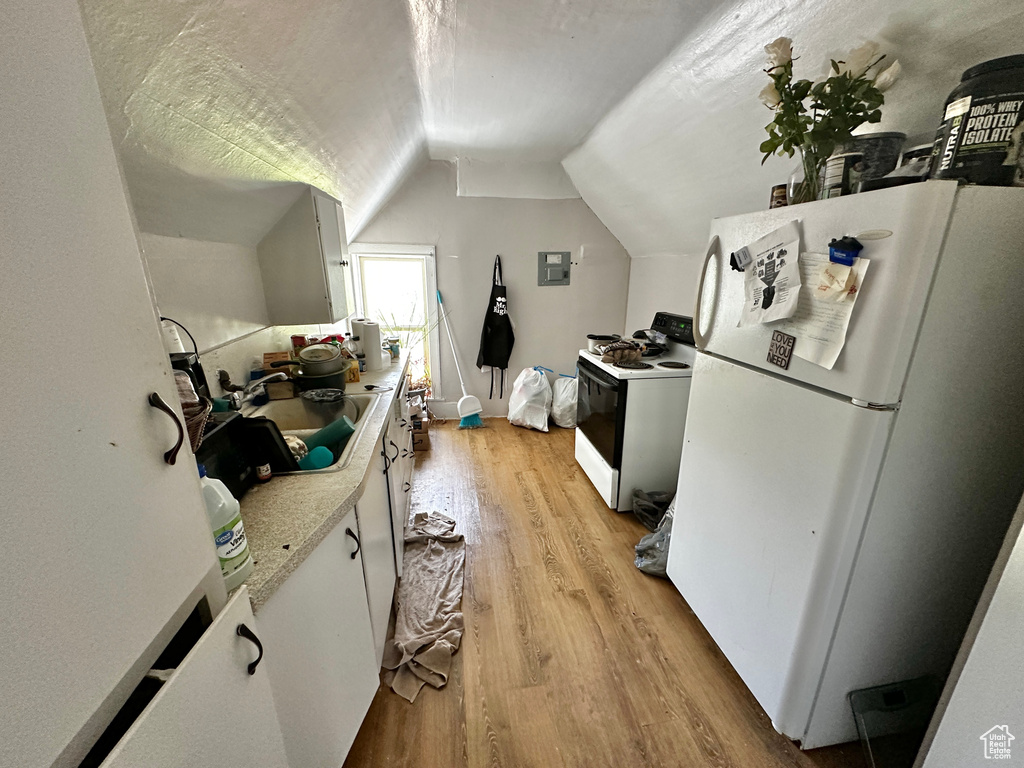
(571, 656)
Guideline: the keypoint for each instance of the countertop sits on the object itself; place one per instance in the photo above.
(286, 518)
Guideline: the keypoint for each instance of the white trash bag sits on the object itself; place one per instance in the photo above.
(563, 406)
(529, 405)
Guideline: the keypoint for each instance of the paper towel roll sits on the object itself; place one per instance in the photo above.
(369, 336)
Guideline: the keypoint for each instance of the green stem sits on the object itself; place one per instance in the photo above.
(809, 188)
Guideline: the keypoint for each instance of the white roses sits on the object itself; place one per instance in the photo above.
(769, 96)
(780, 53)
(859, 59)
(888, 76)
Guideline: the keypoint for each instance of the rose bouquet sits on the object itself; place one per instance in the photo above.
(813, 117)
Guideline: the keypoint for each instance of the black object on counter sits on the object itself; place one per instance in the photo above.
(189, 363)
(979, 140)
(262, 443)
(304, 383)
(222, 455)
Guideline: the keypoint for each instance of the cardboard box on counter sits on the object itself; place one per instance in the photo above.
(275, 357)
(420, 441)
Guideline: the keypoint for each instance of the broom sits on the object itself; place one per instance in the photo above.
(469, 406)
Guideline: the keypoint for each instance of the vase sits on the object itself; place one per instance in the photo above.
(805, 181)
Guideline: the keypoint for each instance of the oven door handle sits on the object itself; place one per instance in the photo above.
(590, 372)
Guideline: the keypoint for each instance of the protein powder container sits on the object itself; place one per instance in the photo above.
(980, 138)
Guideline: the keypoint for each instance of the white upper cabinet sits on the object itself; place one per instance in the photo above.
(304, 264)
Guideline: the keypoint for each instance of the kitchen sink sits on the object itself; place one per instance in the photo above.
(301, 419)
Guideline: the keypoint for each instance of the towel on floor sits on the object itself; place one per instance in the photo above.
(428, 621)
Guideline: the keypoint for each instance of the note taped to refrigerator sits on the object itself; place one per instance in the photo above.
(820, 322)
(772, 280)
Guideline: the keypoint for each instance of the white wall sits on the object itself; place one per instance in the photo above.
(213, 289)
(551, 323)
(537, 180)
(984, 688)
(682, 148)
(660, 284)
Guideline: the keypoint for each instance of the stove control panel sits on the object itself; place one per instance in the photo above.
(676, 327)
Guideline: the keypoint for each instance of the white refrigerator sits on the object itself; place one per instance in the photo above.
(834, 528)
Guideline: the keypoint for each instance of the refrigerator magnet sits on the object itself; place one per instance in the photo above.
(780, 349)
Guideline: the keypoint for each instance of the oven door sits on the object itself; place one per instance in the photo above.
(601, 410)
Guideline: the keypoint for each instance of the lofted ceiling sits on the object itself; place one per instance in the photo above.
(221, 108)
(682, 147)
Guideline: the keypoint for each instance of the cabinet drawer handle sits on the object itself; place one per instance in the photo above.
(408, 486)
(402, 422)
(397, 450)
(387, 461)
(156, 401)
(348, 532)
(248, 634)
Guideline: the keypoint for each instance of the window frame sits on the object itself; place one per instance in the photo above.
(429, 255)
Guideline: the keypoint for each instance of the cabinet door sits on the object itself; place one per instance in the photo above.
(373, 511)
(395, 495)
(316, 628)
(334, 250)
(211, 711)
(103, 541)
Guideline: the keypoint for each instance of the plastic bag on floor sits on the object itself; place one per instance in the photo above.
(563, 404)
(652, 551)
(649, 507)
(529, 405)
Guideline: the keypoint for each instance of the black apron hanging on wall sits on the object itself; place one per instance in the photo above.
(497, 338)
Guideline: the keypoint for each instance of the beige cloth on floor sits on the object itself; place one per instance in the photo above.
(428, 622)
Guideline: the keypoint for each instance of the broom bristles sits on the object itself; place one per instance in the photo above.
(473, 421)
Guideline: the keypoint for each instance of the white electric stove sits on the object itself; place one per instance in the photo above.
(630, 418)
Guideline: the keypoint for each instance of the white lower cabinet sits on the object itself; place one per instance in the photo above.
(398, 442)
(374, 513)
(211, 711)
(316, 627)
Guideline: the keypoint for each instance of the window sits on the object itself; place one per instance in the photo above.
(395, 286)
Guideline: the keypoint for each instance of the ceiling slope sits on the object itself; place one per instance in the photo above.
(526, 81)
(683, 146)
(214, 103)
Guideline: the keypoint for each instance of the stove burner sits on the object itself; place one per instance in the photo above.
(634, 366)
(675, 364)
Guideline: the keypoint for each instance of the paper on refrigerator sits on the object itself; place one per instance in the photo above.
(820, 322)
(772, 280)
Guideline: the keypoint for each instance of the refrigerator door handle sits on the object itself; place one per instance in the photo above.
(874, 406)
(698, 337)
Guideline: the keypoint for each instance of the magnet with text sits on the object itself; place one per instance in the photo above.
(780, 349)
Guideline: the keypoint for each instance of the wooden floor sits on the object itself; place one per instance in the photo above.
(571, 656)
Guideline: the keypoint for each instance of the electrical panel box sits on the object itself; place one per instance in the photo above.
(553, 267)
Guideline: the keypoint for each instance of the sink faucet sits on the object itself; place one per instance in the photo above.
(253, 389)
